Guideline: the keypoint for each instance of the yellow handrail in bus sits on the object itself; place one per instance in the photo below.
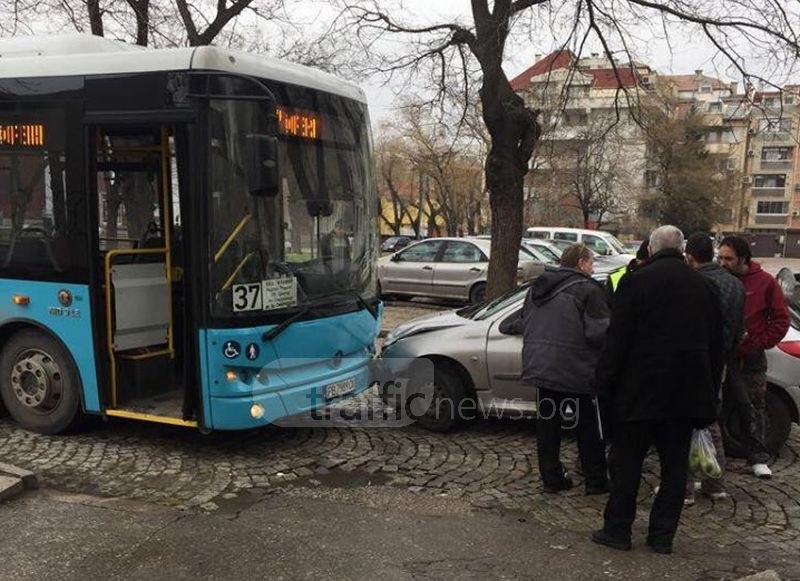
(238, 269)
(242, 223)
(110, 255)
(167, 227)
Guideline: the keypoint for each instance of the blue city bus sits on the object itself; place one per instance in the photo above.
(187, 236)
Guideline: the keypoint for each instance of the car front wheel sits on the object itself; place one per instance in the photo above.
(477, 293)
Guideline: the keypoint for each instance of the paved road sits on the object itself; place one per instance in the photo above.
(485, 468)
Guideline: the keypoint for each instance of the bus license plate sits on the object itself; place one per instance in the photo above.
(340, 388)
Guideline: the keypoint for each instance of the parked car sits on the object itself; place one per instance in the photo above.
(454, 268)
(603, 243)
(474, 361)
(395, 243)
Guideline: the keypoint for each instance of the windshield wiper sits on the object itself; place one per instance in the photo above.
(283, 325)
(362, 301)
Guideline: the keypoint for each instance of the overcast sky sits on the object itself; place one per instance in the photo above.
(685, 54)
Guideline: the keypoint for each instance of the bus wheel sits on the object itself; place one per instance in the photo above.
(39, 383)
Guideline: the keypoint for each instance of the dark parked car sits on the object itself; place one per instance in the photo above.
(395, 243)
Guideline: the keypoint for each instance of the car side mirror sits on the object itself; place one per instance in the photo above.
(263, 178)
(396, 258)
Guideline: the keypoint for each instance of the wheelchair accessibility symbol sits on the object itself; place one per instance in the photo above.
(231, 350)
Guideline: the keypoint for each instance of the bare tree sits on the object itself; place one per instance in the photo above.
(588, 170)
(266, 26)
(749, 35)
(394, 172)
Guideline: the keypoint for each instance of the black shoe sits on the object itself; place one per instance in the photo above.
(601, 537)
(592, 489)
(661, 548)
(564, 484)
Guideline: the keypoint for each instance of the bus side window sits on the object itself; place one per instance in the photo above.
(33, 214)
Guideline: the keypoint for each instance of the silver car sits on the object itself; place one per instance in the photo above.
(454, 268)
(474, 361)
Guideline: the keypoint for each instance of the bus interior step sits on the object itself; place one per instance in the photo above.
(143, 378)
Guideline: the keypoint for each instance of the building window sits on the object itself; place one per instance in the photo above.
(776, 154)
(705, 88)
(770, 181)
(574, 119)
(730, 164)
(715, 107)
(775, 125)
(723, 135)
(773, 208)
(652, 178)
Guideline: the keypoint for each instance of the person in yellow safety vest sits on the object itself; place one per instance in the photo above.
(616, 275)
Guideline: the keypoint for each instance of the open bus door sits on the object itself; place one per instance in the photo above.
(143, 289)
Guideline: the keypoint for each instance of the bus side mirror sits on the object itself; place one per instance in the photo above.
(263, 178)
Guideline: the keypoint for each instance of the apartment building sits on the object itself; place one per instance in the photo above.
(589, 131)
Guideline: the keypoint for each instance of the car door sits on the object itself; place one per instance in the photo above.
(504, 361)
(460, 266)
(410, 271)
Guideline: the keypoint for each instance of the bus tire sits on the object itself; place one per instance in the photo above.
(39, 384)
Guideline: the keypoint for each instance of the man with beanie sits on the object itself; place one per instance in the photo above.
(700, 256)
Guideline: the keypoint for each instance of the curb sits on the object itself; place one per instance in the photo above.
(14, 480)
(27, 477)
(10, 487)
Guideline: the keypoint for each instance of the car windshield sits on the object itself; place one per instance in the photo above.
(313, 239)
(615, 244)
(486, 310)
(548, 253)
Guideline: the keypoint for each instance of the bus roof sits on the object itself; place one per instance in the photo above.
(83, 54)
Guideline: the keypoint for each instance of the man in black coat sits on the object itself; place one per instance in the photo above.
(660, 370)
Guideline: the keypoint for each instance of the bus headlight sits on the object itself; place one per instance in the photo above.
(257, 411)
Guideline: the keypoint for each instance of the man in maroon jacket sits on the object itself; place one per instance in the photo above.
(766, 321)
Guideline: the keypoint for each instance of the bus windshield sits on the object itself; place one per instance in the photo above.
(313, 242)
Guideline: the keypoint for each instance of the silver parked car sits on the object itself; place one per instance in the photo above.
(473, 360)
(454, 268)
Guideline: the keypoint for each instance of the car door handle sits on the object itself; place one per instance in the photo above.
(475, 269)
(427, 268)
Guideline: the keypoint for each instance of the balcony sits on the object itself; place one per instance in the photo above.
(768, 192)
(781, 164)
(776, 137)
(771, 219)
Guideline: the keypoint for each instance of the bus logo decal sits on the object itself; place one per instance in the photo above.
(65, 297)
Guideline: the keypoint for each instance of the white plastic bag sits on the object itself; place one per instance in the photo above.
(703, 456)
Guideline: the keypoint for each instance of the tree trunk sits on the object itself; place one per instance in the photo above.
(506, 205)
(95, 17)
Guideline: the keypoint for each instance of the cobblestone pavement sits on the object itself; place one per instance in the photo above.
(490, 464)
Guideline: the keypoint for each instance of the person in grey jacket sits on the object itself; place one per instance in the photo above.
(700, 256)
(564, 321)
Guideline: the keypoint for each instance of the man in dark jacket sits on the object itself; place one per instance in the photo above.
(700, 256)
(564, 320)
(766, 321)
(660, 369)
